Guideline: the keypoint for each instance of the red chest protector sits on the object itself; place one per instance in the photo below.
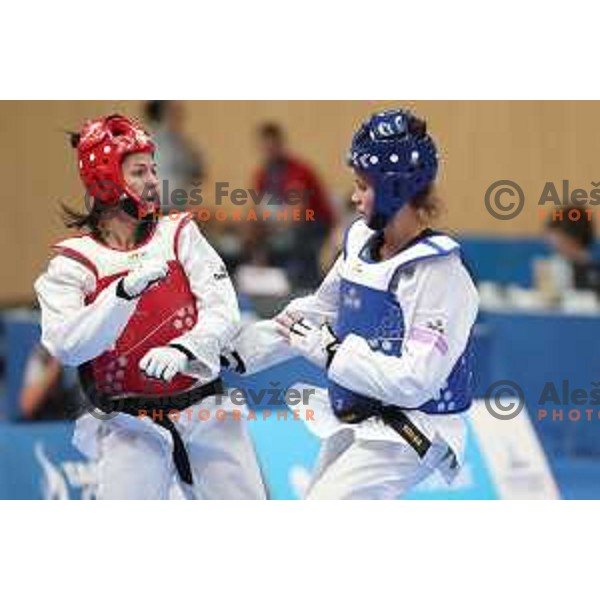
(164, 312)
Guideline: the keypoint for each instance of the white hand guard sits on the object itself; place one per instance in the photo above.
(143, 276)
(164, 362)
(317, 344)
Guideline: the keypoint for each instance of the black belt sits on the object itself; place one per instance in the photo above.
(132, 405)
(395, 417)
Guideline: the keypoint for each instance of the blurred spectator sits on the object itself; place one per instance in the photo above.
(179, 162)
(237, 244)
(293, 245)
(49, 391)
(570, 233)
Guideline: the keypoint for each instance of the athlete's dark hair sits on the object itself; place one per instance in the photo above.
(427, 202)
(90, 221)
(74, 219)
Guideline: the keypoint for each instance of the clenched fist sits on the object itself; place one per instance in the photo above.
(164, 362)
(140, 278)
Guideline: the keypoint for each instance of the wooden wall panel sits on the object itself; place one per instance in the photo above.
(481, 142)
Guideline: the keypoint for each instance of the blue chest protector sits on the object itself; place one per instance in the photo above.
(370, 309)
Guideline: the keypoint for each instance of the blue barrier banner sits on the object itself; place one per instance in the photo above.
(288, 453)
(39, 461)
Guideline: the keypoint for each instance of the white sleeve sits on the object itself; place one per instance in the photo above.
(71, 331)
(218, 311)
(260, 346)
(323, 304)
(437, 333)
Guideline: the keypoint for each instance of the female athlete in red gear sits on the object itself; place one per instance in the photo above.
(142, 305)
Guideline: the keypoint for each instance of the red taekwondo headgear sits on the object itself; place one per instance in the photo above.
(102, 146)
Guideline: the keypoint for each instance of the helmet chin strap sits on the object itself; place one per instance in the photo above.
(132, 208)
(389, 199)
(377, 221)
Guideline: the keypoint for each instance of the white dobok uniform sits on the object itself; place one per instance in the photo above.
(85, 322)
(405, 325)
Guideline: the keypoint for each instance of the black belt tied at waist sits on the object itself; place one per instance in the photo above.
(396, 418)
(132, 405)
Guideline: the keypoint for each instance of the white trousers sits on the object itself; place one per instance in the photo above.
(134, 458)
(359, 469)
(370, 461)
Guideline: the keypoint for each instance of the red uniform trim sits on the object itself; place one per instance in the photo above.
(80, 258)
(180, 226)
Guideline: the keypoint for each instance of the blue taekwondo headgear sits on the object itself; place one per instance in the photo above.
(399, 157)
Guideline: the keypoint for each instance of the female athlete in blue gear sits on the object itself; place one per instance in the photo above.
(391, 325)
